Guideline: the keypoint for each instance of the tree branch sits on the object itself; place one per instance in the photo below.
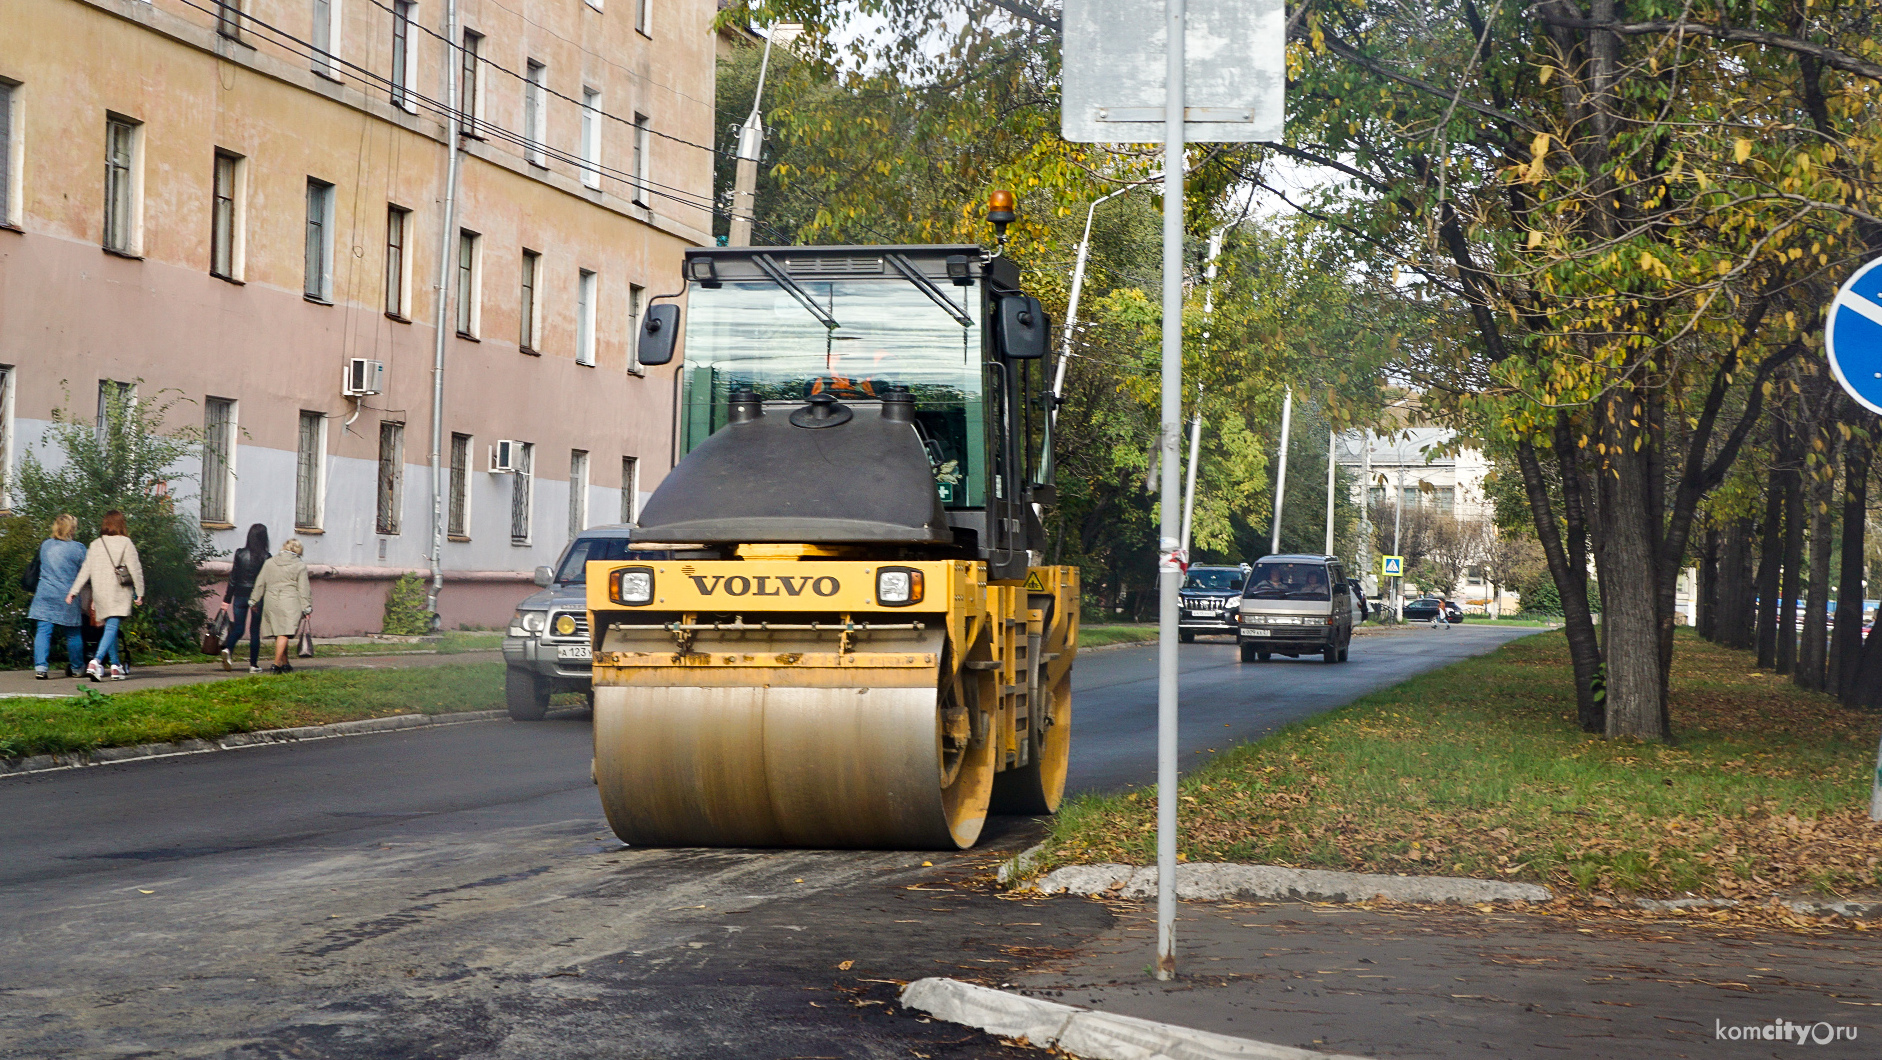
(1835, 58)
(1029, 14)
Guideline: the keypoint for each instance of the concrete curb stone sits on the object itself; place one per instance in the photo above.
(1085, 1032)
(13, 767)
(1215, 882)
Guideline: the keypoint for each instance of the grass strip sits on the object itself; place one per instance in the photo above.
(1119, 633)
(1478, 770)
(90, 720)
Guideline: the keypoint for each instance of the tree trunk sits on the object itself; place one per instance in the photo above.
(1814, 654)
(1792, 593)
(1771, 553)
(1630, 579)
(1846, 645)
(1735, 607)
(1568, 568)
(1707, 590)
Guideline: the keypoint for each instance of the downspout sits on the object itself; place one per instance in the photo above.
(454, 158)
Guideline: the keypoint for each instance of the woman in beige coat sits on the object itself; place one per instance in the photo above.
(111, 598)
(283, 595)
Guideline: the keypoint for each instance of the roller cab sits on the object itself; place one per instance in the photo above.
(855, 643)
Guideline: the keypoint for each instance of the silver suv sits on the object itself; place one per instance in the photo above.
(546, 649)
(1294, 606)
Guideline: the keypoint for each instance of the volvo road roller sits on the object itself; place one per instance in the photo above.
(855, 642)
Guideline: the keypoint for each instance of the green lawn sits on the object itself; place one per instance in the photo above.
(1478, 770)
(1092, 636)
(90, 720)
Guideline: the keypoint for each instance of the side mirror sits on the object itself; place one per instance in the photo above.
(545, 576)
(1025, 331)
(659, 332)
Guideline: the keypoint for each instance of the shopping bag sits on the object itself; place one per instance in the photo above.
(304, 638)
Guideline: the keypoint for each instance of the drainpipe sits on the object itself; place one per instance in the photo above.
(446, 244)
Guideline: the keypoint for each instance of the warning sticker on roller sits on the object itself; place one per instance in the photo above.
(1034, 583)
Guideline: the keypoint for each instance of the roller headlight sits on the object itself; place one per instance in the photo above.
(528, 623)
(565, 625)
(898, 586)
(631, 585)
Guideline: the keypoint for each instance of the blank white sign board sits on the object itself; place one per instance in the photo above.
(1234, 57)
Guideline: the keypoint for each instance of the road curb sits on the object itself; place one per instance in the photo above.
(1085, 1032)
(14, 767)
(1215, 882)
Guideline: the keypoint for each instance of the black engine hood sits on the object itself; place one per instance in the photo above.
(764, 479)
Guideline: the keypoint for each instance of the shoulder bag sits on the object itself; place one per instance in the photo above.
(124, 573)
(29, 578)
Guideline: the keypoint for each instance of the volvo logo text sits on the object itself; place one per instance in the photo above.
(765, 585)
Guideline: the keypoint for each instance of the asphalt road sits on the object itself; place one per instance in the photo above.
(453, 892)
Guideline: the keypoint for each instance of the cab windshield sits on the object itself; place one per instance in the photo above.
(756, 335)
(573, 570)
(1289, 581)
(1214, 580)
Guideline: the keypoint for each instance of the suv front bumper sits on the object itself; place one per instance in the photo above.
(545, 659)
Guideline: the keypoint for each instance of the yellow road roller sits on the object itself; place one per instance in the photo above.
(854, 641)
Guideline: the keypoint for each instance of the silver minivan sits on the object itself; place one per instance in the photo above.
(1296, 605)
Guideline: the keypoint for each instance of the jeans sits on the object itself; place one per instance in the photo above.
(42, 645)
(242, 615)
(109, 642)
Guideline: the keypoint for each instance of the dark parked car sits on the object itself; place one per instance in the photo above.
(1210, 596)
(1427, 608)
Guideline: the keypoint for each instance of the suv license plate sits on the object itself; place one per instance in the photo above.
(1258, 632)
(573, 651)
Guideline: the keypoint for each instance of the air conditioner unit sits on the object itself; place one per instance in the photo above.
(363, 377)
(503, 457)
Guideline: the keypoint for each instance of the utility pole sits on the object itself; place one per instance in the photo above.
(1280, 480)
(1364, 557)
(751, 141)
(447, 242)
(1189, 489)
(1398, 518)
(1333, 452)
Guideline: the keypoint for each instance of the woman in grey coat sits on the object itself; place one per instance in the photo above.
(60, 557)
(116, 578)
(282, 593)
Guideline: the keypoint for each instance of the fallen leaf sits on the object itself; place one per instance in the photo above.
(846, 966)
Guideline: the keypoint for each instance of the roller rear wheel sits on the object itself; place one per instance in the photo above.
(1039, 786)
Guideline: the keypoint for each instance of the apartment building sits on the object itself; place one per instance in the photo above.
(242, 204)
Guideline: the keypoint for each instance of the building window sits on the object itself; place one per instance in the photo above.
(218, 461)
(1447, 499)
(391, 476)
(643, 16)
(630, 489)
(398, 261)
(404, 55)
(116, 399)
(457, 523)
(578, 491)
(535, 135)
(641, 143)
(9, 178)
(326, 38)
(470, 98)
(121, 185)
(310, 471)
(591, 138)
(225, 218)
(636, 305)
(528, 313)
(319, 248)
(468, 311)
(523, 459)
(585, 318)
(229, 19)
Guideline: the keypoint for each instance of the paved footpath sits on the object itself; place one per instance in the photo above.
(23, 683)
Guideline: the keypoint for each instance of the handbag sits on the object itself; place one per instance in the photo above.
(216, 632)
(304, 638)
(124, 573)
(29, 578)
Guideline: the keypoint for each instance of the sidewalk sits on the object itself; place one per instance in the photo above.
(16, 683)
(1442, 983)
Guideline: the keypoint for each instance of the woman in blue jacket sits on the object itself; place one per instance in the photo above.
(59, 560)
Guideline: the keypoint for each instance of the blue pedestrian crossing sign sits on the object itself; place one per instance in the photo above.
(1853, 336)
(1391, 566)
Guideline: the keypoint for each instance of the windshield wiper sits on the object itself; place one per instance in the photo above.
(927, 287)
(770, 268)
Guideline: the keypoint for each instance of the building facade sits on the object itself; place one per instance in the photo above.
(241, 208)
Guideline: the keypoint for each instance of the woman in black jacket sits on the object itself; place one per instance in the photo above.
(242, 572)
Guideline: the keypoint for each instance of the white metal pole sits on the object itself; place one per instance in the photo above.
(1398, 519)
(1333, 451)
(751, 139)
(1189, 486)
(1280, 480)
(1170, 572)
(446, 244)
(1071, 307)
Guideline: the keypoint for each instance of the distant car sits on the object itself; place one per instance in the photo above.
(547, 648)
(1427, 609)
(1210, 598)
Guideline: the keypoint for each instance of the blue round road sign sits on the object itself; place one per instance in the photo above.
(1853, 336)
